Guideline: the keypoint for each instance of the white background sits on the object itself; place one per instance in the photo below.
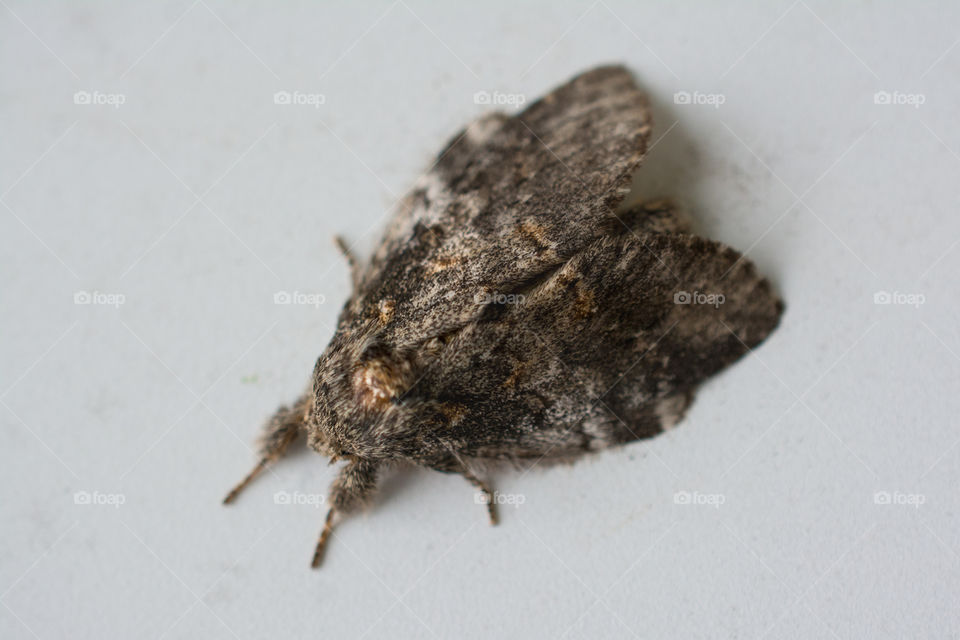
(199, 198)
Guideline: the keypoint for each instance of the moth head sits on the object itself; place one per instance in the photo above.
(358, 391)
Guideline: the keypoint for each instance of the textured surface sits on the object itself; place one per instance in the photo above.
(812, 487)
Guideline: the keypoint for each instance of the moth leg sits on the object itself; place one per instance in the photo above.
(351, 490)
(351, 257)
(662, 215)
(487, 493)
(281, 430)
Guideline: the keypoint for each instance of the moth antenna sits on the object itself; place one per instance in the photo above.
(322, 542)
(243, 483)
(352, 261)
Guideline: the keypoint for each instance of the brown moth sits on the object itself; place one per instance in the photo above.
(511, 313)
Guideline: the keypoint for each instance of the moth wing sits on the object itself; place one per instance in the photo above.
(508, 198)
(608, 348)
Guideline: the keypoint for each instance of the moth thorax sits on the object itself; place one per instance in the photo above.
(377, 384)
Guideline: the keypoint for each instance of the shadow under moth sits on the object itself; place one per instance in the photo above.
(513, 314)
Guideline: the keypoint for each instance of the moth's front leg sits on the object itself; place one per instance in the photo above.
(280, 431)
(351, 490)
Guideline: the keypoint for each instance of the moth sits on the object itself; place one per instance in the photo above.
(514, 312)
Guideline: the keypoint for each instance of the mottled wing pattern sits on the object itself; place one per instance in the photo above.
(608, 348)
(507, 199)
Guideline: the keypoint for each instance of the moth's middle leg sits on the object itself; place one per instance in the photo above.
(489, 495)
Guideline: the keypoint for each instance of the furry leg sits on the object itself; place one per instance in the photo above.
(351, 490)
(487, 493)
(282, 429)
